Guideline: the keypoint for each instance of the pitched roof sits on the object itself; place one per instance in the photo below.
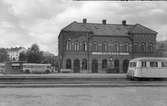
(142, 29)
(108, 29)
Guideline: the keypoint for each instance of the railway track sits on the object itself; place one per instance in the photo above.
(74, 80)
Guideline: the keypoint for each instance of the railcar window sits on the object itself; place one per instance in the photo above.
(164, 64)
(132, 64)
(143, 63)
(153, 64)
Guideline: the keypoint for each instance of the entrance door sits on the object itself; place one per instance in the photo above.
(125, 65)
(116, 65)
(76, 66)
(94, 66)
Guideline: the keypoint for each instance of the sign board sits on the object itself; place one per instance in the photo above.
(110, 53)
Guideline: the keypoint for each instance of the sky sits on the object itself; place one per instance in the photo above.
(25, 22)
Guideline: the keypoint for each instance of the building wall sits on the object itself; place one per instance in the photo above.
(147, 39)
(14, 53)
(118, 48)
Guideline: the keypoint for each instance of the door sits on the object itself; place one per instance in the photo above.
(94, 66)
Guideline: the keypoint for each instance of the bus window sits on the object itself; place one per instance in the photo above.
(164, 64)
(153, 64)
(143, 64)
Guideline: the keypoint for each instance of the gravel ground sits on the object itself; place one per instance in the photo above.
(126, 96)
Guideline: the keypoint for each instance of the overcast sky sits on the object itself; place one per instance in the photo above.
(24, 22)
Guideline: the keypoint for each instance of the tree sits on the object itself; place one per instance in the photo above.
(160, 50)
(3, 55)
(34, 55)
(23, 56)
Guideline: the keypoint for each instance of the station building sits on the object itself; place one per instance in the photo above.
(97, 47)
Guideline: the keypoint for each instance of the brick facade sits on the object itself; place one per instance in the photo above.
(96, 48)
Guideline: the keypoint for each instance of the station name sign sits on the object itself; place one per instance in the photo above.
(110, 53)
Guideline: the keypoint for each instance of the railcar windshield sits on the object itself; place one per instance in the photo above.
(132, 64)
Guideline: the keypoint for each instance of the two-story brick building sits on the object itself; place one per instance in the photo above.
(96, 47)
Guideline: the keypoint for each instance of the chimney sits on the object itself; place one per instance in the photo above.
(123, 22)
(104, 21)
(84, 20)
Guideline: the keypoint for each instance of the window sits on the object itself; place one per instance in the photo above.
(164, 64)
(111, 46)
(135, 47)
(143, 64)
(84, 46)
(84, 64)
(68, 46)
(94, 46)
(116, 46)
(132, 64)
(68, 64)
(143, 47)
(104, 63)
(76, 46)
(153, 64)
(126, 48)
(129, 47)
(151, 47)
(104, 46)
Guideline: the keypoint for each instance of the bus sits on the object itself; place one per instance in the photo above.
(2, 67)
(36, 68)
(13, 67)
(147, 67)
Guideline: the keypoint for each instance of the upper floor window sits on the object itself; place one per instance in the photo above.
(135, 49)
(111, 46)
(104, 46)
(84, 46)
(150, 47)
(129, 47)
(76, 46)
(116, 46)
(143, 47)
(94, 47)
(68, 44)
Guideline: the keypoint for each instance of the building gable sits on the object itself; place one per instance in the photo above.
(140, 29)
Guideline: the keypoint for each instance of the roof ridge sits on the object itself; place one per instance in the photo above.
(105, 24)
(69, 25)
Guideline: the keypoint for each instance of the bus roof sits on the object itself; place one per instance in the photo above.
(35, 64)
(149, 59)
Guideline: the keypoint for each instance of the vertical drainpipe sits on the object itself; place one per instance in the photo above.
(131, 38)
(88, 52)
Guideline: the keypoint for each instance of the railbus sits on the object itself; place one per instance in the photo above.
(147, 67)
